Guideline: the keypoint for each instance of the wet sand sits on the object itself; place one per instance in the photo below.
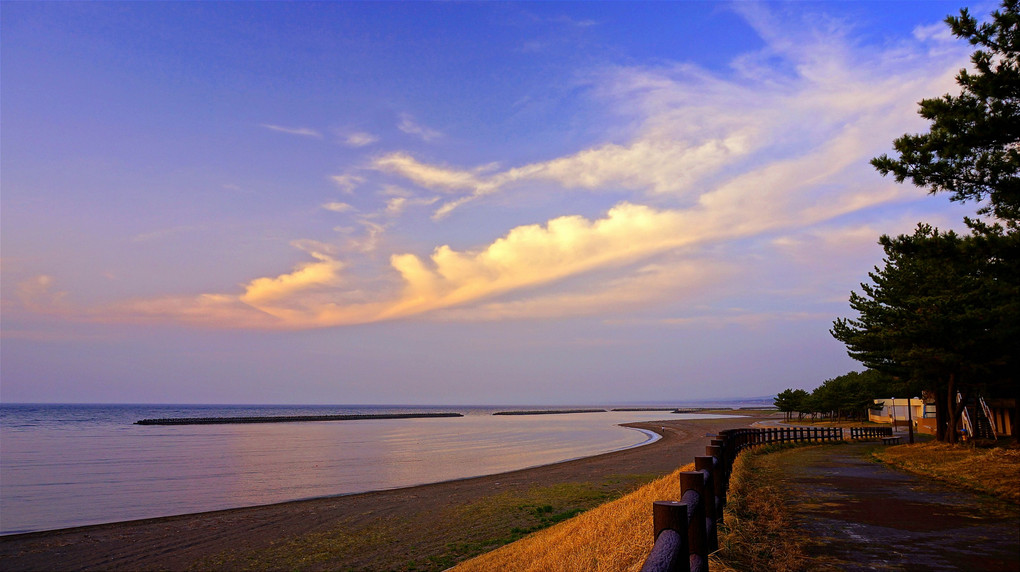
(427, 527)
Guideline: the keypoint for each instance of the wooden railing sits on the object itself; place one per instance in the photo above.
(686, 531)
(870, 432)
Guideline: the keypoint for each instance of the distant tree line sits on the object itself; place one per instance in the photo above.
(847, 397)
(942, 314)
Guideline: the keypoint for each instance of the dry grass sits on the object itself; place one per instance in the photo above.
(617, 536)
(756, 534)
(454, 533)
(613, 537)
(991, 471)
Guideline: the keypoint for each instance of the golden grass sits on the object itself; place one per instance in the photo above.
(613, 537)
(454, 533)
(757, 529)
(617, 536)
(991, 471)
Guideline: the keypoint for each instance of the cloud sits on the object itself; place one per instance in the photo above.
(647, 286)
(410, 126)
(706, 159)
(938, 32)
(395, 206)
(826, 111)
(431, 176)
(37, 294)
(359, 139)
(303, 131)
(369, 241)
(338, 207)
(313, 294)
(278, 296)
(564, 19)
(347, 182)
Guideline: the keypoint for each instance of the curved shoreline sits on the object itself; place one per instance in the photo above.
(436, 515)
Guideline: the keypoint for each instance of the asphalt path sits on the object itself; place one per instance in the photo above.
(860, 514)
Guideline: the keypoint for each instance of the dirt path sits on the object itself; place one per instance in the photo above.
(862, 515)
(428, 527)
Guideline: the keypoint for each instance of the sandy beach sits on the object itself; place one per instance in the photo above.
(428, 527)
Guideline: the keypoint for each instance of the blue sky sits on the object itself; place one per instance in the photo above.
(480, 203)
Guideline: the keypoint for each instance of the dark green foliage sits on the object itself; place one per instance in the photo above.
(971, 149)
(847, 396)
(789, 401)
(942, 312)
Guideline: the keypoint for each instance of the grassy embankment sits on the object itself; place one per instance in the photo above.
(615, 536)
(994, 471)
(757, 534)
(383, 542)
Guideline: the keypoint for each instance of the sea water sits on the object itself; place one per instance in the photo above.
(73, 465)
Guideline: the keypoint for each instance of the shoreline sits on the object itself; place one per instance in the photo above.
(438, 515)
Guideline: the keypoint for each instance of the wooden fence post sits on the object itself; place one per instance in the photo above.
(722, 479)
(706, 466)
(692, 493)
(671, 552)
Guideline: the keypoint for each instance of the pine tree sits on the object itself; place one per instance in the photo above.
(972, 149)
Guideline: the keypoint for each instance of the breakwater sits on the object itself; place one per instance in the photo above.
(287, 418)
(549, 412)
(673, 409)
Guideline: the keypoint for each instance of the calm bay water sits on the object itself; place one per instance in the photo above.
(72, 465)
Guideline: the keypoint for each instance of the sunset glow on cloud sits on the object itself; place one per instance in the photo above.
(414, 186)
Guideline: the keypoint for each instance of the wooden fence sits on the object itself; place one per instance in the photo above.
(686, 531)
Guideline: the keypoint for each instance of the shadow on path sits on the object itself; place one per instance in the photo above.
(860, 514)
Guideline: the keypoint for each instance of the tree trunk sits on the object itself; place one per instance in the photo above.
(951, 435)
(910, 420)
(941, 416)
(1015, 422)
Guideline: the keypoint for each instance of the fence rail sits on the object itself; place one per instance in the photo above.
(686, 531)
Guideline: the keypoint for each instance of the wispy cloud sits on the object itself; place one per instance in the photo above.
(395, 206)
(702, 136)
(763, 152)
(528, 256)
(347, 182)
(564, 19)
(303, 131)
(358, 139)
(409, 125)
(338, 207)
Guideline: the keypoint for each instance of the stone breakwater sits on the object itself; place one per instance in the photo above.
(287, 418)
(550, 412)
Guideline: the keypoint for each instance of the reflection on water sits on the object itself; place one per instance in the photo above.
(52, 477)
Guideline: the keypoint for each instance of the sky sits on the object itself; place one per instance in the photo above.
(450, 203)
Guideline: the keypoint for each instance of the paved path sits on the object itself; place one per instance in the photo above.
(862, 515)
